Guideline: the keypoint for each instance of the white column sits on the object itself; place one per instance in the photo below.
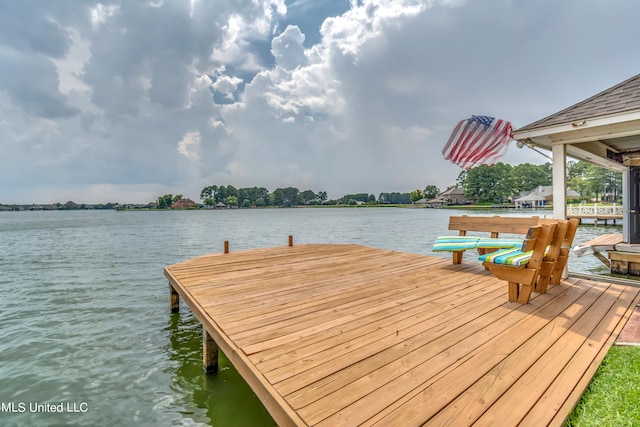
(626, 216)
(559, 181)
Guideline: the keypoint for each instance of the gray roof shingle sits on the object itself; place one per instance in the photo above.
(620, 98)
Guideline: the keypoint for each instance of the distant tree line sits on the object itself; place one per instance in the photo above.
(501, 181)
(429, 192)
(167, 200)
(594, 182)
(213, 195)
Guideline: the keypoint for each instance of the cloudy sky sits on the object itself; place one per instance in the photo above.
(128, 100)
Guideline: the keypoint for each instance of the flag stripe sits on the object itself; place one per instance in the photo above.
(478, 140)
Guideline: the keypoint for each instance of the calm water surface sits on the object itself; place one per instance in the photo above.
(84, 314)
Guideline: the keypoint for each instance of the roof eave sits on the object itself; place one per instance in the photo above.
(591, 124)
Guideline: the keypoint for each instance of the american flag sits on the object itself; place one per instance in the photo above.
(478, 140)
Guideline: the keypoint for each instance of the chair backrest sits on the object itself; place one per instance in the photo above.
(556, 240)
(537, 239)
(493, 224)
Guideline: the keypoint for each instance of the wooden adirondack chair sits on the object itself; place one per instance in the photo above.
(557, 256)
(522, 278)
(563, 257)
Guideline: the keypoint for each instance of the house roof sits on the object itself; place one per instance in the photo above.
(452, 191)
(530, 196)
(620, 98)
(603, 129)
(544, 191)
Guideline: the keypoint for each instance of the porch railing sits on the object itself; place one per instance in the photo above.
(595, 211)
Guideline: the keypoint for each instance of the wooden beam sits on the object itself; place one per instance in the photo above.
(602, 258)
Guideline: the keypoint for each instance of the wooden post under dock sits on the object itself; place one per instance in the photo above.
(175, 300)
(209, 345)
(209, 352)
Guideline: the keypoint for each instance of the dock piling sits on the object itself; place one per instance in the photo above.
(175, 299)
(290, 240)
(226, 246)
(209, 352)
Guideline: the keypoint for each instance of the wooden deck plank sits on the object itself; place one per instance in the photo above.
(475, 400)
(300, 299)
(392, 320)
(348, 335)
(576, 373)
(413, 343)
(356, 308)
(432, 384)
(543, 371)
(353, 300)
(395, 323)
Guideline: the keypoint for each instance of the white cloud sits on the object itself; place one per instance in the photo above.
(234, 92)
(227, 85)
(100, 13)
(189, 146)
(365, 20)
(70, 67)
(288, 48)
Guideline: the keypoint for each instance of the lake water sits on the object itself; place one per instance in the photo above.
(84, 317)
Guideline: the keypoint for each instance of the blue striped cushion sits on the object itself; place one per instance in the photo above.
(455, 243)
(489, 243)
(508, 257)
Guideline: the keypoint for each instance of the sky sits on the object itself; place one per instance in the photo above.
(124, 101)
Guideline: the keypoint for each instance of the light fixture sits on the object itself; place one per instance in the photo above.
(522, 144)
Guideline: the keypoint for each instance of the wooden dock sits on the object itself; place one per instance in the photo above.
(603, 243)
(346, 335)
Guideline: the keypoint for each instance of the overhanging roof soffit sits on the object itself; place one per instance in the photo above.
(579, 153)
(592, 125)
(600, 133)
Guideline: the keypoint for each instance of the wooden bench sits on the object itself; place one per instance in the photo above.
(541, 260)
(494, 225)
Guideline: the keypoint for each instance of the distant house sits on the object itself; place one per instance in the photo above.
(539, 197)
(453, 196)
(435, 203)
(220, 205)
(183, 204)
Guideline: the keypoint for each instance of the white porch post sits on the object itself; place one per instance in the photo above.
(626, 216)
(559, 181)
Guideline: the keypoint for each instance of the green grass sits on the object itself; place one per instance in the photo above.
(613, 396)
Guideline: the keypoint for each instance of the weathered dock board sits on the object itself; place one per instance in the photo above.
(346, 335)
